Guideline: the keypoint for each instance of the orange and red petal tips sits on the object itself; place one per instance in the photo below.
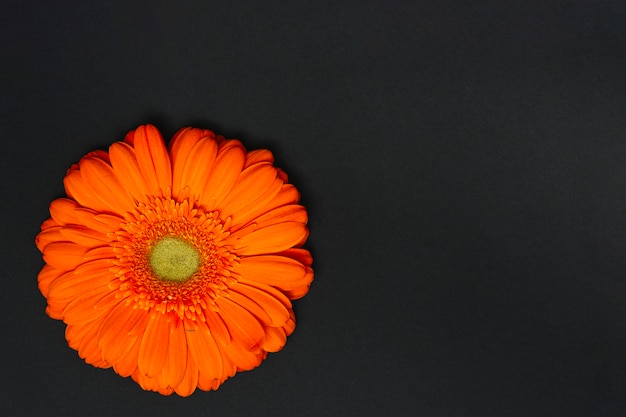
(171, 325)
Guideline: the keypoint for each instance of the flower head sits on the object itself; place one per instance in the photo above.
(175, 266)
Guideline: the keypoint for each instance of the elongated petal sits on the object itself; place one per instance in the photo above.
(242, 325)
(61, 297)
(254, 209)
(248, 304)
(115, 337)
(46, 276)
(72, 283)
(153, 348)
(64, 255)
(176, 361)
(50, 235)
(227, 169)
(126, 168)
(77, 188)
(244, 357)
(271, 269)
(275, 339)
(153, 159)
(198, 166)
(204, 351)
(101, 222)
(188, 384)
(82, 338)
(84, 236)
(127, 365)
(250, 185)
(83, 309)
(270, 301)
(88, 348)
(302, 289)
(101, 180)
(258, 156)
(62, 210)
(217, 327)
(287, 213)
(271, 239)
(180, 149)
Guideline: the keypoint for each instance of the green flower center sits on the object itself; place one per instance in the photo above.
(173, 259)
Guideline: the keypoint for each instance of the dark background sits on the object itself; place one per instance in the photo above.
(464, 167)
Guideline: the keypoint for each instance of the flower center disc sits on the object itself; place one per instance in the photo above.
(173, 259)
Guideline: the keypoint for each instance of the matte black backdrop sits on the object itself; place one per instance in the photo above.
(464, 167)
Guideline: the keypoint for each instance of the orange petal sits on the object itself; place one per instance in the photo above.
(251, 185)
(88, 348)
(271, 269)
(83, 339)
(258, 156)
(188, 384)
(180, 150)
(84, 236)
(103, 252)
(217, 327)
(287, 195)
(127, 365)
(276, 293)
(62, 211)
(225, 172)
(299, 254)
(275, 339)
(204, 351)
(207, 384)
(101, 222)
(76, 188)
(73, 284)
(185, 138)
(242, 325)
(154, 162)
(64, 255)
(115, 337)
(48, 223)
(291, 324)
(271, 239)
(273, 303)
(301, 290)
(245, 302)
(242, 357)
(198, 166)
(57, 305)
(150, 383)
(153, 348)
(101, 180)
(100, 154)
(287, 213)
(176, 361)
(47, 236)
(256, 208)
(126, 168)
(46, 276)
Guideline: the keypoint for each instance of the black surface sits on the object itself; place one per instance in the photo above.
(464, 167)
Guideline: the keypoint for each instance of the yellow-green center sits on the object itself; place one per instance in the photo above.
(173, 259)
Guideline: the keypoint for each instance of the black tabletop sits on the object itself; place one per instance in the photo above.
(463, 165)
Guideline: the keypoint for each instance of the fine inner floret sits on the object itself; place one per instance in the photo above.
(171, 256)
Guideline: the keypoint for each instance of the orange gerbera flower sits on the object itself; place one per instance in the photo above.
(175, 266)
